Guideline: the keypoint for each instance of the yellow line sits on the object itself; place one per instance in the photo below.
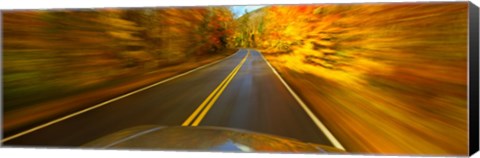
(109, 101)
(215, 94)
(204, 112)
(195, 113)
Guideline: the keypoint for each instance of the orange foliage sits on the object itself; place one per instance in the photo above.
(387, 78)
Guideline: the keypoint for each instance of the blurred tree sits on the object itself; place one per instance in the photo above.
(53, 53)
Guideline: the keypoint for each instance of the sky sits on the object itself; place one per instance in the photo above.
(240, 10)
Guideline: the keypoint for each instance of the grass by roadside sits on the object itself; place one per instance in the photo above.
(380, 119)
(26, 117)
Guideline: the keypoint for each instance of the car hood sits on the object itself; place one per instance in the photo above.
(203, 138)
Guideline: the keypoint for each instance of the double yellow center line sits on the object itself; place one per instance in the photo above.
(202, 110)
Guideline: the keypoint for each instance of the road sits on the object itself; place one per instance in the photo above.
(241, 92)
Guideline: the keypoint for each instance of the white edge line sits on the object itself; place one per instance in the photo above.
(319, 124)
(109, 101)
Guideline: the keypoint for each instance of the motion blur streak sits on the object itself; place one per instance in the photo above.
(64, 54)
(55, 53)
(385, 78)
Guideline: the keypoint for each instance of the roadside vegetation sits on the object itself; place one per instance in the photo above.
(385, 78)
(52, 53)
(54, 60)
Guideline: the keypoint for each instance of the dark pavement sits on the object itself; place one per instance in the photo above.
(254, 99)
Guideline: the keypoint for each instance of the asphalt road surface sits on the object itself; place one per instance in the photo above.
(240, 91)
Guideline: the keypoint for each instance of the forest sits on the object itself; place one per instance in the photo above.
(48, 54)
(392, 78)
(385, 78)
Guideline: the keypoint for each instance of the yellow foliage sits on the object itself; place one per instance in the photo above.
(387, 78)
(122, 35)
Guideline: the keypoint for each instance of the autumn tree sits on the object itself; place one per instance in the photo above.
(54, 53)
